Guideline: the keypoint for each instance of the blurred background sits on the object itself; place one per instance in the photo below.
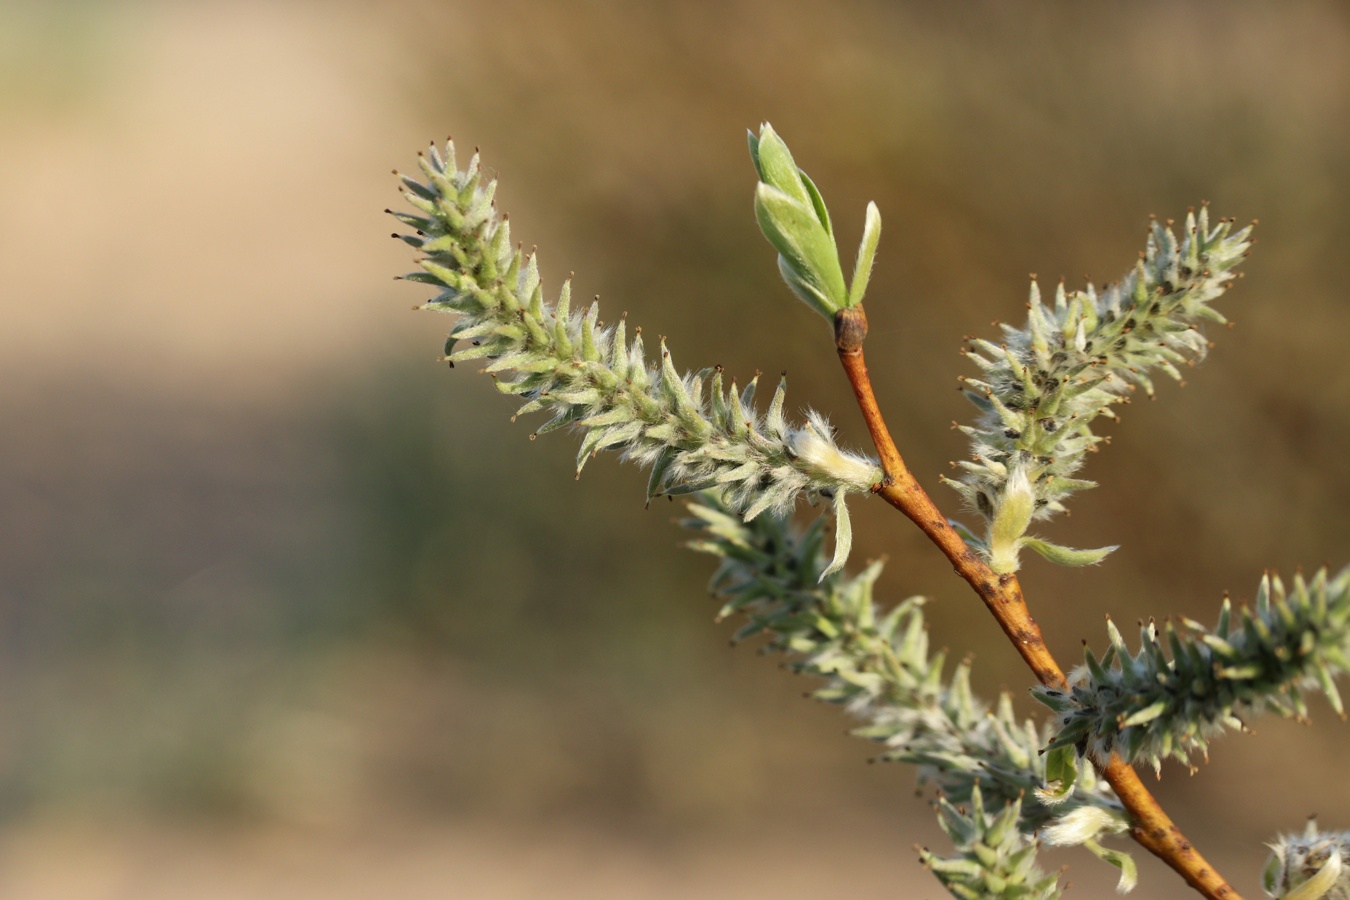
(289, 610)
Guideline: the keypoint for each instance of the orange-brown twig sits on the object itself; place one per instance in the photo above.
(1002, 594)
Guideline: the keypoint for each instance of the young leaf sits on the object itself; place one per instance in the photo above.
(867, 250)
(843, 536)
(806, 249)
(1129, 870)
(1067, 556)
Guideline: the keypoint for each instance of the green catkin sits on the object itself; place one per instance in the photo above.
(1187, 683)
(592, 379)
(1040, 389)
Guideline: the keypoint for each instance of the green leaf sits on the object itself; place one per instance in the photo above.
(774, 163)
(867, 249)
(843, 535)
(1011, 519)
(1129, 872)
(1271, 873)
(806, 292)
(817, 202)
(1061, 774)
(806, 248)
(1067, 556)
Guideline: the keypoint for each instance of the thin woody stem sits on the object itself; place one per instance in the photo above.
(1002, 595)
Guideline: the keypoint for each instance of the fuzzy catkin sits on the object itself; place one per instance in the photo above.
(876, 664)
(1188, 683)
(694, 431)
(1041, 387)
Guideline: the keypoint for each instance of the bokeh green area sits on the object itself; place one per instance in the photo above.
(268, 570)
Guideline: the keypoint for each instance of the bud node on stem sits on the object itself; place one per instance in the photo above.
(850, 329)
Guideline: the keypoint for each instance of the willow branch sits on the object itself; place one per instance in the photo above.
(1151, 827)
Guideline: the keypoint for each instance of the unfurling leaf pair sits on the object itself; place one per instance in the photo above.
(793, 217)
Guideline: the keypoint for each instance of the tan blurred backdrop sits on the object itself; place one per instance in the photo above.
(287, 610)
